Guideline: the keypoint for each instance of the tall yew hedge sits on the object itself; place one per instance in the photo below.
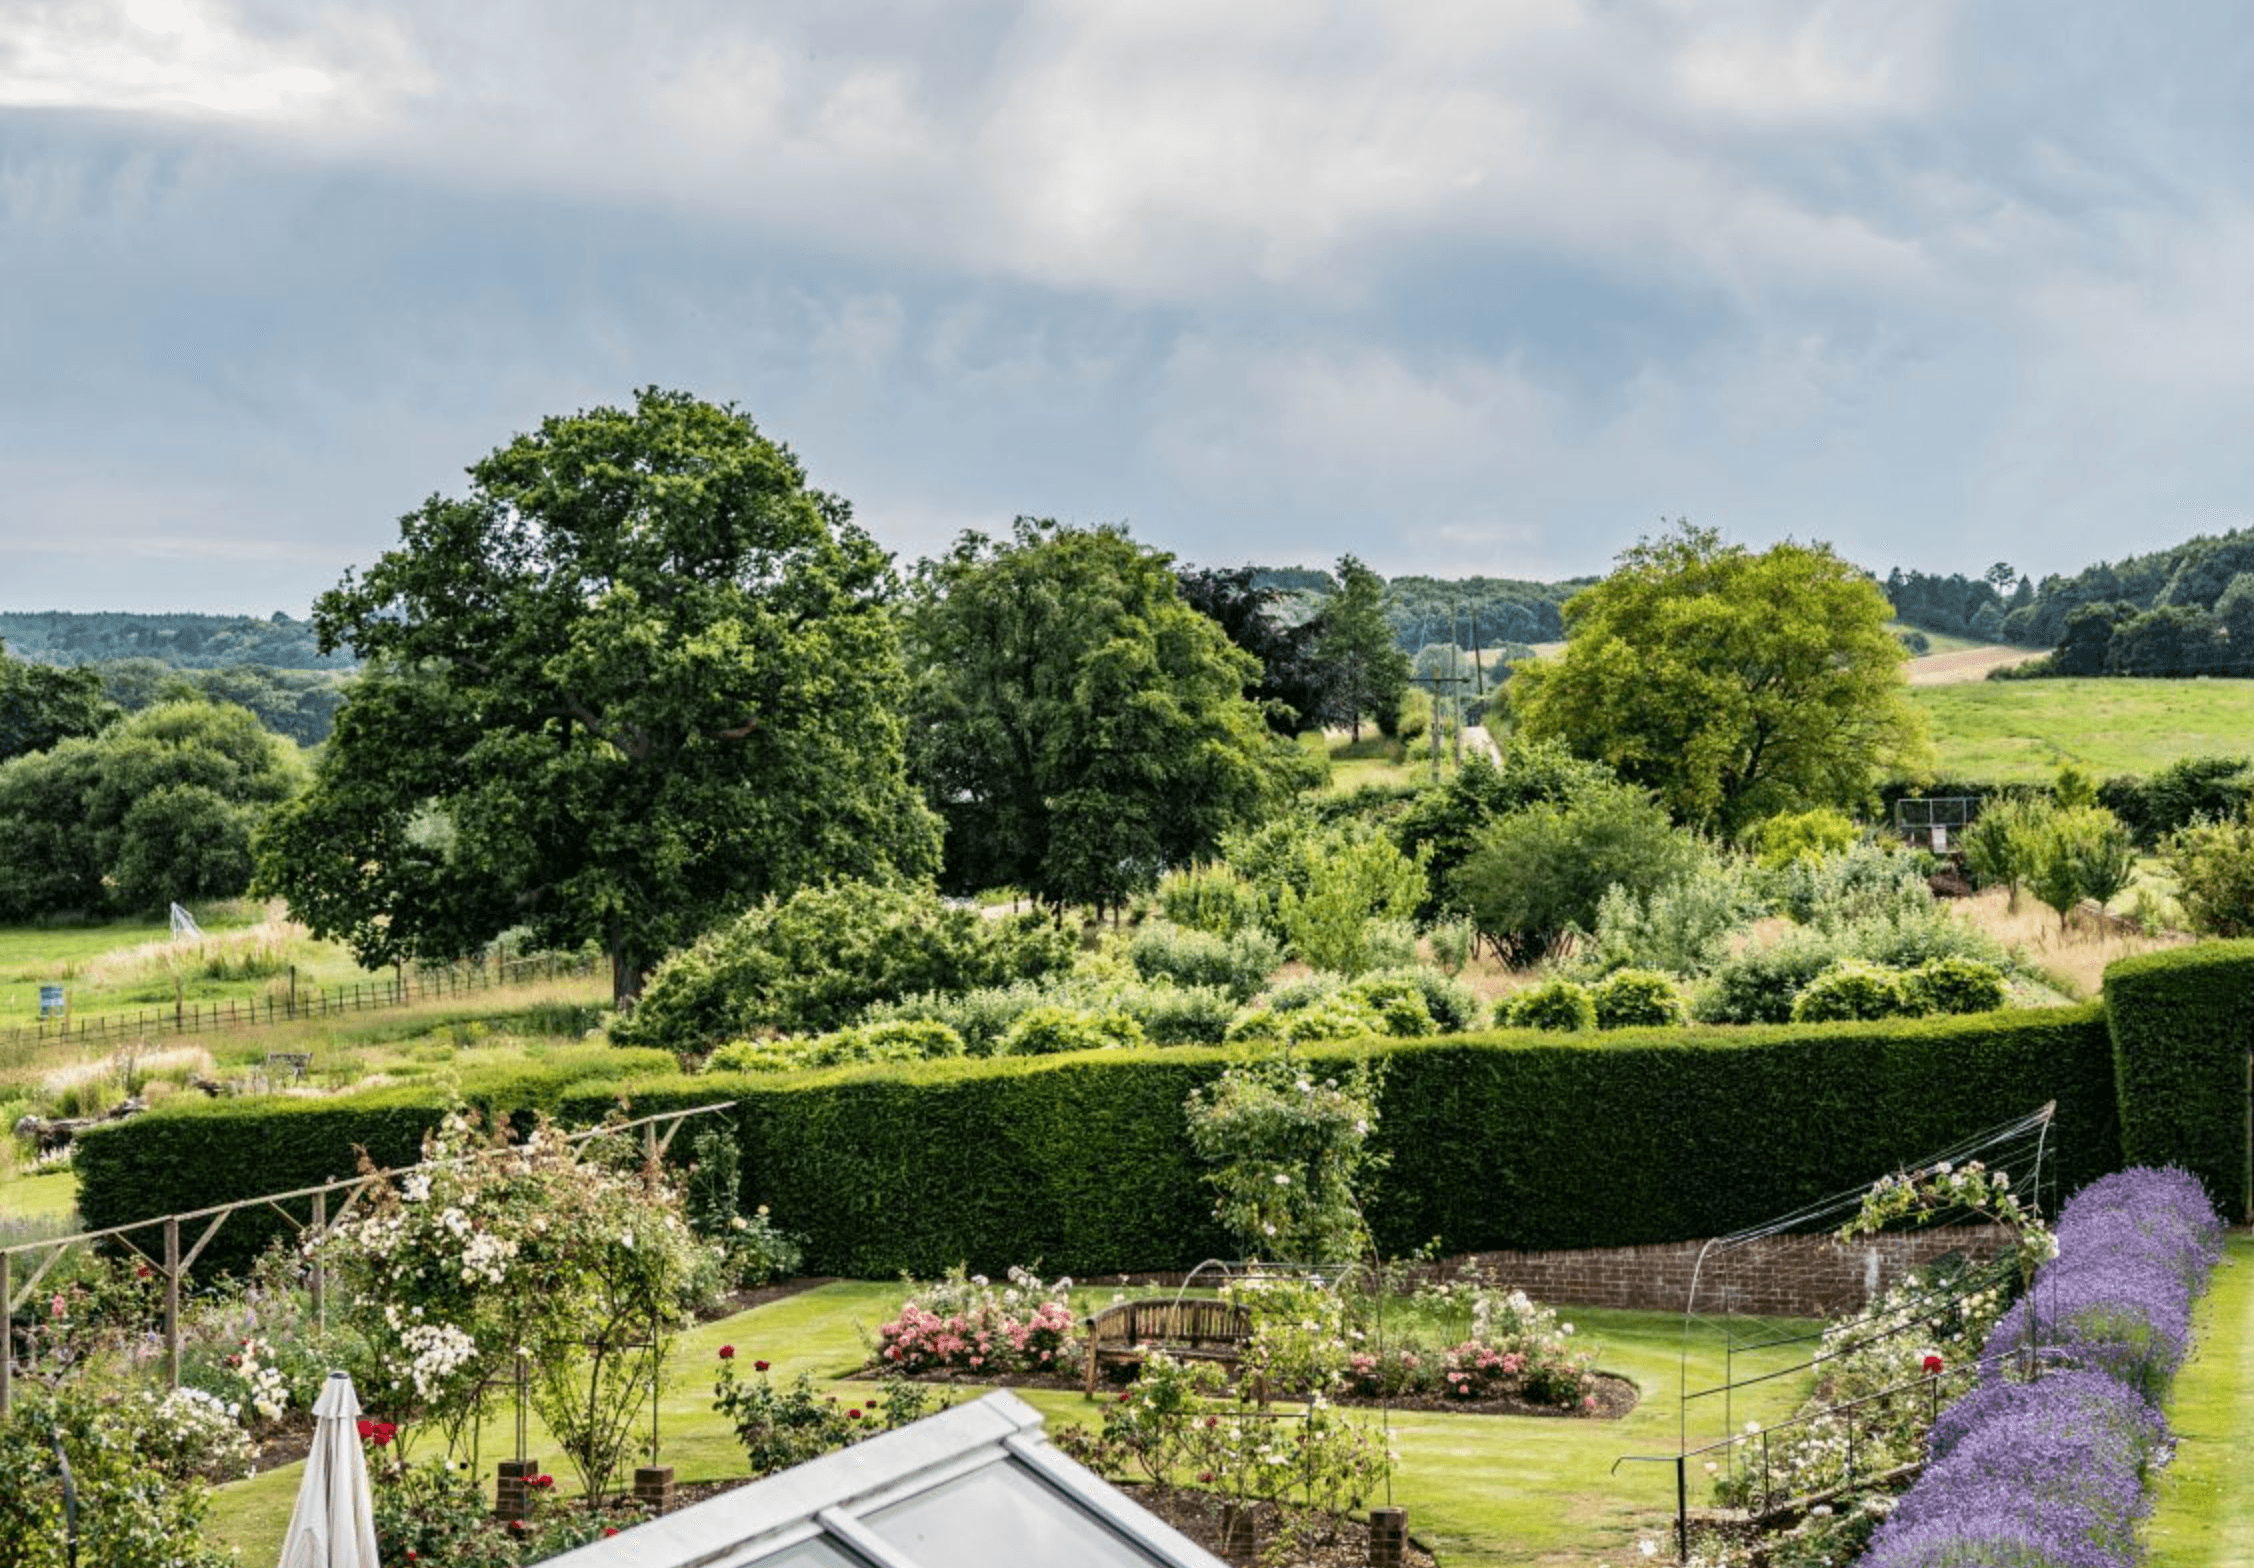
(2182, 1024)
(1500, 1141)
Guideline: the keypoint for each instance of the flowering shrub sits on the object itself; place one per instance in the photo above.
(2044, 1472)
(437, 1514)
(1299, 1345)
(780, 1428)
(1178, 1424)
(963, 1323)
(1288, 1154)
(575, 1258)
(188, 1435)
(140, 1503)
(753, 1249)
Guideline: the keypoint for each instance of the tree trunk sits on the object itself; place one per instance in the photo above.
(626, 973)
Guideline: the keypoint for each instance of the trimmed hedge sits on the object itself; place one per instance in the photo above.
(194, 1154)
(1498, 1141)
(2182, 1022)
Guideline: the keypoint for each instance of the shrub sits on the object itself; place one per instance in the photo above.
(896, 1040)
(1553, 1004)
(818, 959)
(1862, 882)
(1210, 898)
(1683, 928)
(1804, 835)
(1956, 985)
(1536, 876)
(1444, 822)
(1356, 884)
(1049, 1029)
(1181, 1015)
(1239, 963)
(1848, 992)
(1759, 985)
(1449, 1004)
(1341, 1015)
(961, 1323)
(1637, 999)
(1916, 935)
(1453, 942)
(2213, 864)
(133, 1510)
(1289, 1151)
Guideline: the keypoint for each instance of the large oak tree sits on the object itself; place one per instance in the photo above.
(1733, 685)
(636, 679)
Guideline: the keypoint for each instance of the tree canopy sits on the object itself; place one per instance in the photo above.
(1077, 725)
(1734, 685)
(157, 808)
(1357, 641)
(41, 706)
(637, 679)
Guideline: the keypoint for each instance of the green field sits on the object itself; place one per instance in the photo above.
(128, 966)
(2023, 731)
(1482, 1491)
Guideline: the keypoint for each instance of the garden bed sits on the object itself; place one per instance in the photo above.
(1615, 1396)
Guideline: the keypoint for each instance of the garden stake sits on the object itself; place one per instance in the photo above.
(320, 1277)
(172, 1301)
(7, 1334)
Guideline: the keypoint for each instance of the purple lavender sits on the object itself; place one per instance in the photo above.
(2050, 1473)
(2133, 1250)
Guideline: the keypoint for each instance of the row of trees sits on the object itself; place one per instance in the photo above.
(177, 639)
(643, 676)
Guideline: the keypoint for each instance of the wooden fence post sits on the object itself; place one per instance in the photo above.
(171, 1301)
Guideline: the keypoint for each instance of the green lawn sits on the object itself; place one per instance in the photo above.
(2021, 731)
(2203, 1509)
(1480, 1490)
(46, 1197)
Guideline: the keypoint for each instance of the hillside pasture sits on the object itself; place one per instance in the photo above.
(1972, 662)
(2024, 731)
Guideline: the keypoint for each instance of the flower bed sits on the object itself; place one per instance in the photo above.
(2045, 1462)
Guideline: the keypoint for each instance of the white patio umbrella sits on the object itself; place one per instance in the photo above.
(334, 1523)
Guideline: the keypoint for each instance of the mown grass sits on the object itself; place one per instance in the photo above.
(1482, 1491)
(127, 967)
(2203, 1509)
(2023, 731)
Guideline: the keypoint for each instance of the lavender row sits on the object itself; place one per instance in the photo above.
(2050, 1473)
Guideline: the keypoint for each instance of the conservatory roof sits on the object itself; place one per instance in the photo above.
(975, 1485)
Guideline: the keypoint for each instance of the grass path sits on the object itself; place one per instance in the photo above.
(2203, 1513)
(1482, 1491)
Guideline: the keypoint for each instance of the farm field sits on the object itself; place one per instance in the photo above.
(2023, 731)
(1972, 662)
(1481, 1491)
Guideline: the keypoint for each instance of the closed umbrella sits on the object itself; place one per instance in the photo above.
(334, 1523)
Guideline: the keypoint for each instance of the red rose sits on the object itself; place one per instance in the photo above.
(544, 1482)
(853, 1415)
(517, 1525)
(611, 1531)
(1932, 1364)
(759, 1366)
(727, 1352)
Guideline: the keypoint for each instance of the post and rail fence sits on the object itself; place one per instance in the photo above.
(173, 1260)
(295, 1003)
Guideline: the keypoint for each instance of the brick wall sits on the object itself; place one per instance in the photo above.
(1798, 1276)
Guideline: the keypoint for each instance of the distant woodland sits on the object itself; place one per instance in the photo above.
(180, 640)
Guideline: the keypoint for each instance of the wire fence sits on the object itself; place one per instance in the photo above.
(295, 1002)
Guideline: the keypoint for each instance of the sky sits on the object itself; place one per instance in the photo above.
(1459, 286)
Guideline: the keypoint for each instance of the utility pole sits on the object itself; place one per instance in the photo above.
(1435, 681)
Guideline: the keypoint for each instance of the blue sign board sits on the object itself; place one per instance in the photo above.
(50, 1001)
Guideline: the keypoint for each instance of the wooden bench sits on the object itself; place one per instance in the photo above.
(1195, 1330)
